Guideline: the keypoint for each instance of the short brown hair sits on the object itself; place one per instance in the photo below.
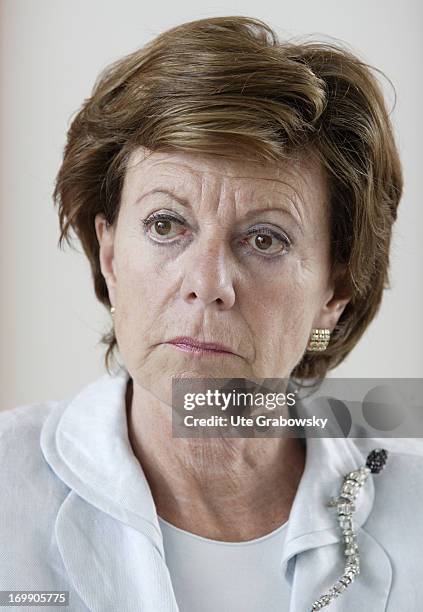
(229, 84)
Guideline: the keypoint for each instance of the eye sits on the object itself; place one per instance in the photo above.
(159, 226)
(268, 242)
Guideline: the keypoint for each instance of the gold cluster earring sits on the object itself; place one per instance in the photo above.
(319, 339)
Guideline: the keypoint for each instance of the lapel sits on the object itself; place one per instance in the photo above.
(313, 556)
(106, 529)
(114, 566)
(119, 563)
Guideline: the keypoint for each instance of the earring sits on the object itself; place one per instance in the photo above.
(112, 311)
(319, 339)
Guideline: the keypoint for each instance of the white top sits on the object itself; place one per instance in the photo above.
(215, 576)
(77, 514)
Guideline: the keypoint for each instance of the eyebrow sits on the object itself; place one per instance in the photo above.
(251, 212)
(167, 192)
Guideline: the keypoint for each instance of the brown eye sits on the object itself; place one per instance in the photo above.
(263, 241)
(163, 227)
(268, 241)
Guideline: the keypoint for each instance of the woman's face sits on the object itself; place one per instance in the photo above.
(239, 256)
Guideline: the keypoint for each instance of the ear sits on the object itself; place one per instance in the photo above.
(106, 236)
(336, 299)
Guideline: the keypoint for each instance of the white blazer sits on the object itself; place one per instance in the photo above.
(77, 514)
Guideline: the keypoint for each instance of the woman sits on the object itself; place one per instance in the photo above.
(235, 196)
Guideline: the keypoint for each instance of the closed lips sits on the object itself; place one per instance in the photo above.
(192, 343)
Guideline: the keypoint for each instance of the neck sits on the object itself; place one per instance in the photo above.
(229, 489)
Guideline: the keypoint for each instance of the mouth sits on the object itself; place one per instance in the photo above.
(191, 345)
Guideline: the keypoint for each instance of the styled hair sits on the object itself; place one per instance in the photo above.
(228, 86)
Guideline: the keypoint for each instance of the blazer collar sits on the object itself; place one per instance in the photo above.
(85, 441)
(311, 522)
(313, 558)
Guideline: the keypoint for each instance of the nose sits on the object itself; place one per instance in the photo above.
(208, 277)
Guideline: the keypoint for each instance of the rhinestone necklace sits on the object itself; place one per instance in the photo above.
(344, 503)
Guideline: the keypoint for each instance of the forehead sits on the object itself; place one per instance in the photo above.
(300, 180)
(301, 170)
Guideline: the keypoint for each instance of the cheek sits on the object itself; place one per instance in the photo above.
(281, 315)
(144, 295)
(137, 273)
(134, 294)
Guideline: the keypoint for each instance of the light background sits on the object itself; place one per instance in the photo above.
(51, 52)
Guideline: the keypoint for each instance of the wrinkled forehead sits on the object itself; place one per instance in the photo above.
(301, 167)
(301, 178)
